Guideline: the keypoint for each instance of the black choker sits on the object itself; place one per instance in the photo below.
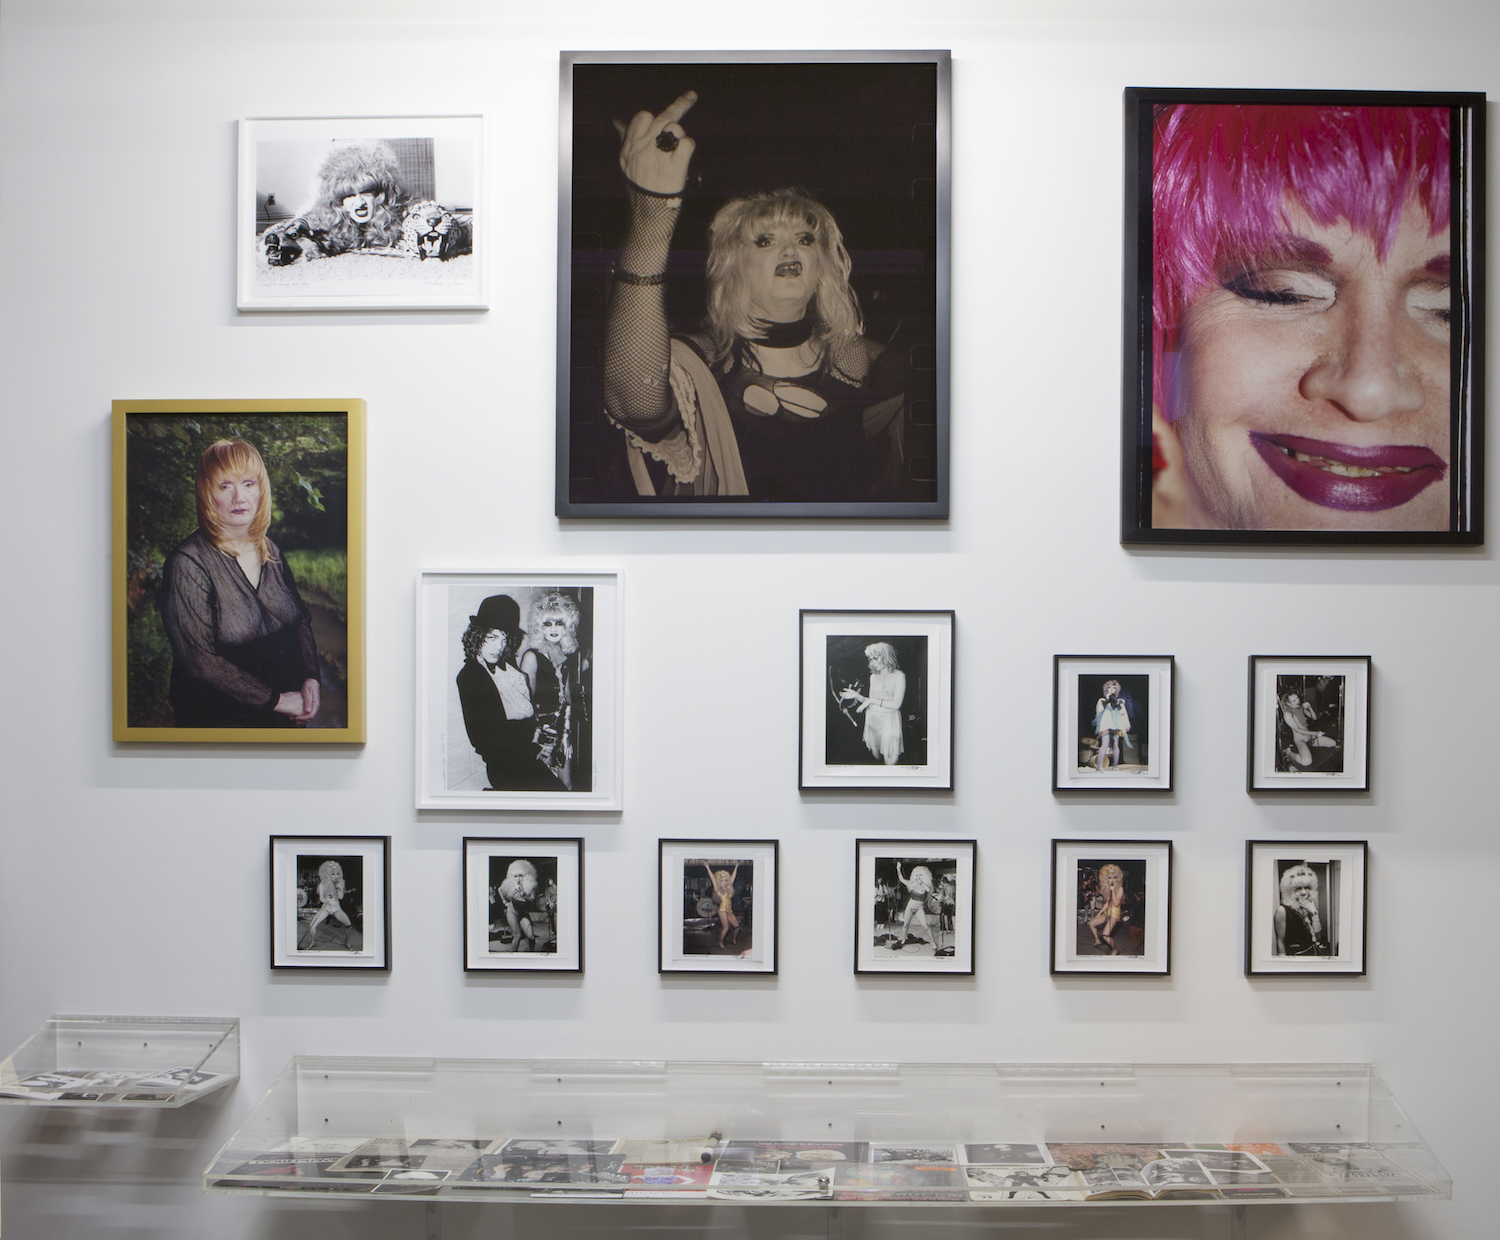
(785, 335)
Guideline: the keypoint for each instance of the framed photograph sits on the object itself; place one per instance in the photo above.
(718, 903)
(518, 691)
(331, 902)
(1309, 723)
(1112, 722)
(361, 213)
(1276, 390)
(1305, 906)
(753, 284)
(523, 905)
(1112, 906)
(914, 906)
(239, 571)
(875, 699)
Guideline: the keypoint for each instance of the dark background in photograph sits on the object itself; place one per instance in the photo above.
(1325, 694)
(307, 458)
(1328, 898)
(700, 907)
(891, 894)
(847, 666)
(332, 934)
(1130, 934)
(1135, 746)
(862, 139)
(540, 910)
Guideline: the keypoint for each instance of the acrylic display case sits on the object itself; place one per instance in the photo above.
(972, 1135)
(122, 1061)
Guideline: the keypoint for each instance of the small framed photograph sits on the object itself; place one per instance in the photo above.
(1112, 906)
(239, 570)
(1112, 723)
(767, 234)
(1305, 907)
(718, 902)
(518, 691)
(1255, 413)
(1309, 723)
(914, 906)
(361, 213)
(876, 699)
(523, 905)
(331, 902)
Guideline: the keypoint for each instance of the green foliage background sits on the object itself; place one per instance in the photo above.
(307, 458)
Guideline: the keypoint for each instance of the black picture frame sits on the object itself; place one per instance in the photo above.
(1342, 922)
(869, 883)
(286, 854)
(1336, 692)
(674, 859)
(1149, 912)
(876, 152)
(1153, 678)
(1144, 447)
(567, 875)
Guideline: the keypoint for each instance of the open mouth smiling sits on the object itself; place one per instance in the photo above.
(1348, 478)
(792, 268)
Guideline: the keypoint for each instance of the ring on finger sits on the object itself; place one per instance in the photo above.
(666, 141)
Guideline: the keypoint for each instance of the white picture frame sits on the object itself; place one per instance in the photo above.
(308, 919)
(939, 906)
(1135, 934)
(1330, 937)
(287, 174)
(462, 716)
(1320, 743)
(1080, 685)
(523, 905)
(696, 933)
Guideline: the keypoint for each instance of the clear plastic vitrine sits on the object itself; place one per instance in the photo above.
(828, 1133)
(122, 1061)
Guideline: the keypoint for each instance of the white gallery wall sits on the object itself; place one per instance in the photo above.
(133, 878)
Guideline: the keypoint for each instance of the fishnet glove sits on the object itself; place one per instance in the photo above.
(637, 345)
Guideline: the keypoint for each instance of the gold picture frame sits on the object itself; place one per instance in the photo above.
(313, 454)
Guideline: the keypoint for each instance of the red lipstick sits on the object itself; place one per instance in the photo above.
(1350, 479)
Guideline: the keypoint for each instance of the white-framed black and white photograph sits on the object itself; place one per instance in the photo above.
(523, 905)
(360, 213)
(1112, 907)
(331, 902)
(768, 232)
(1309, 725)
(518, 691)
(914, 906)
(1305, 907)
(876, 699)
(718, 906)
(1112, 722)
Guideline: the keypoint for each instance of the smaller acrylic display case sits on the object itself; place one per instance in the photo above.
(122, 1061)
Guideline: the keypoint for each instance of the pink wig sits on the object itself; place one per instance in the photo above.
(1223, 175)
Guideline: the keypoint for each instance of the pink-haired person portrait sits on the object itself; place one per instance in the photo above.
(1301, 307)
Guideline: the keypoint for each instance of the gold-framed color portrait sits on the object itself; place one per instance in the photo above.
(238, 571)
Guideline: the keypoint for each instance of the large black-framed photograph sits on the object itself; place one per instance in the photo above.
(1305, 907)
(238, 573)
(518, 690)
(331, 902)
(1309, 727)
(1112, 723)
(718, 906)
(523, 905)
(875, 701)
(1304, 318)
(914, 906)
(1112, 907)
(753, 284)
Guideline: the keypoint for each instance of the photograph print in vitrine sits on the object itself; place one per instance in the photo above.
(1111, 906)
(914, 903)
(717, 906)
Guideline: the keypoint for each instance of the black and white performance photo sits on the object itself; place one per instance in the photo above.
(330, 902)
(915, 906)
(353, 213)
(877, 699)
(1305, 907)
(718, 909)
(1309, 723)
(753, 309)
(1111, 902)
(1113, 722)
(519, 692)
(523, 905)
